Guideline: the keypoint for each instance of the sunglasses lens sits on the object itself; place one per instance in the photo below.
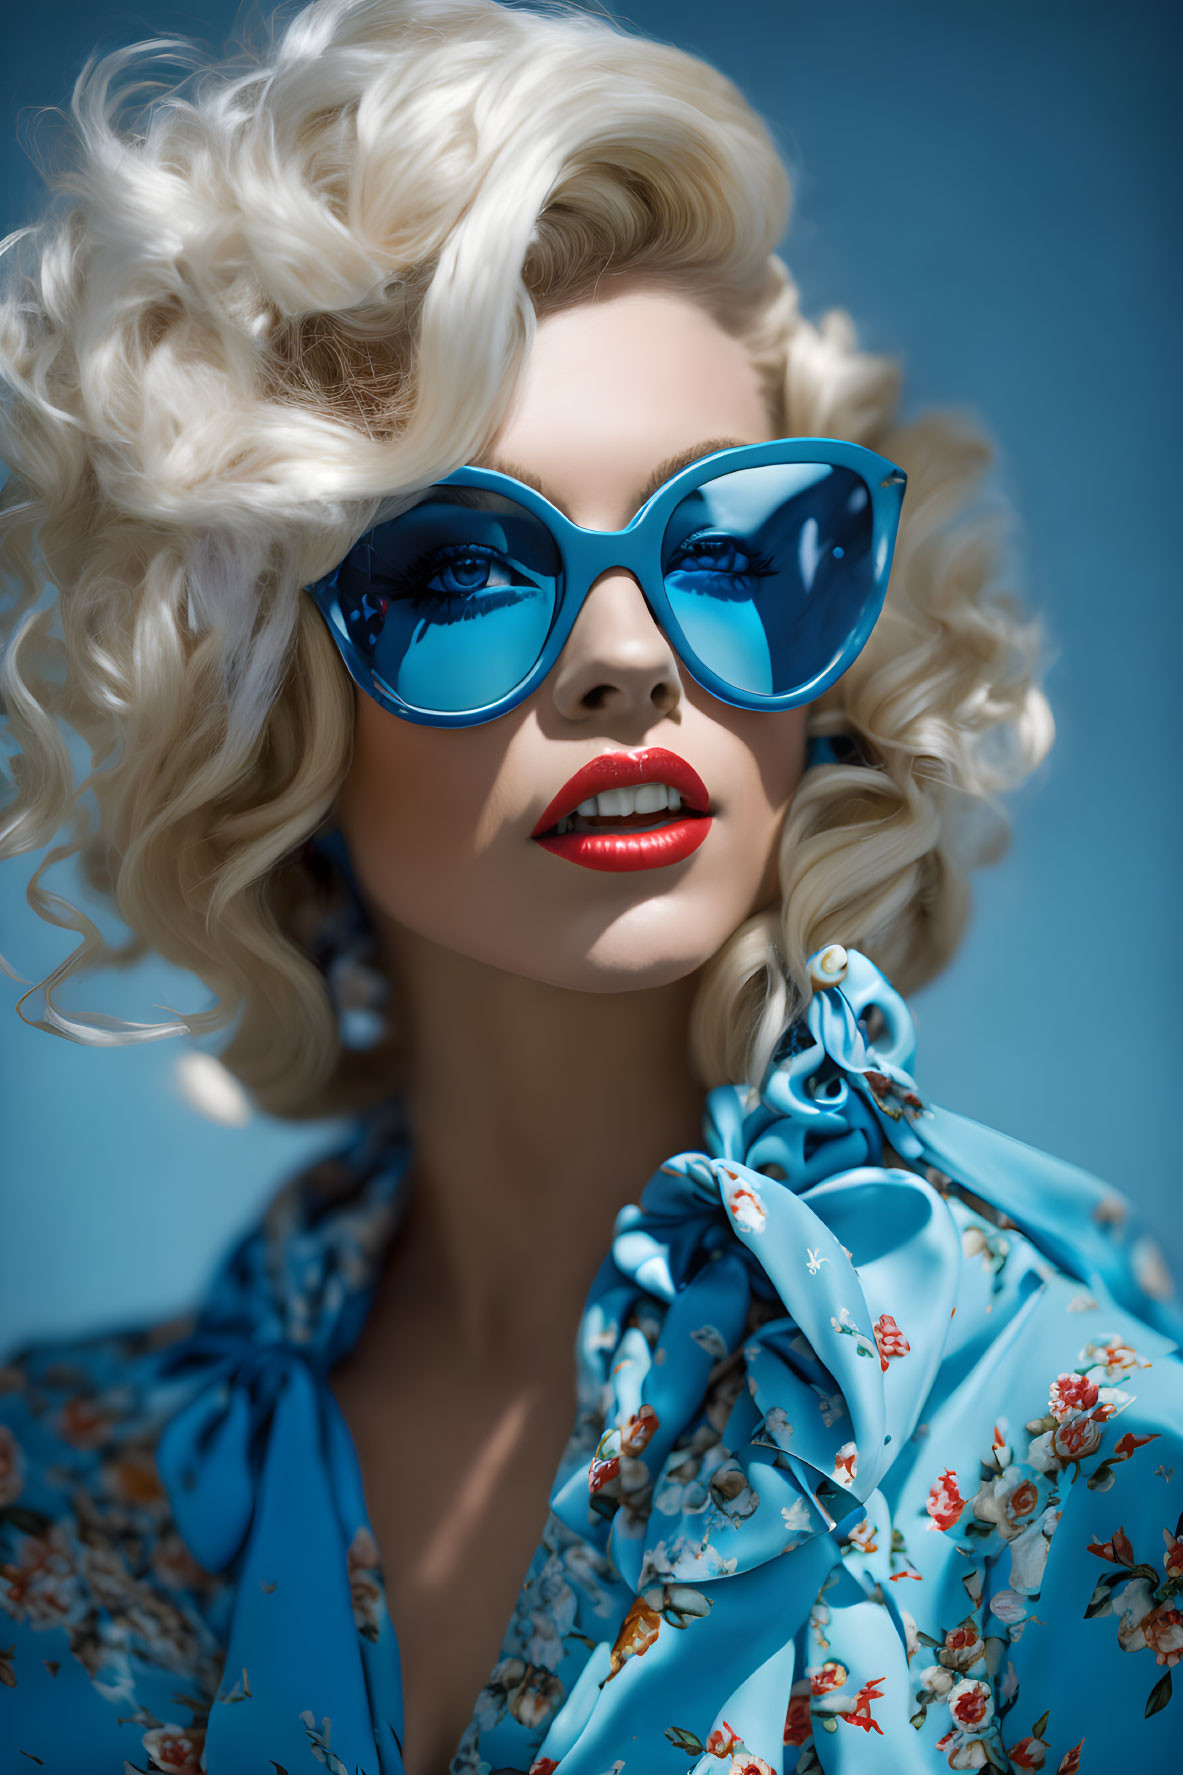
(769, 570)
(451, 602)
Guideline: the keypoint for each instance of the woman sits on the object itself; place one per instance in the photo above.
(474, 584)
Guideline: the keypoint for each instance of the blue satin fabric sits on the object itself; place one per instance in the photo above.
(854, 1425)
(262, 1474)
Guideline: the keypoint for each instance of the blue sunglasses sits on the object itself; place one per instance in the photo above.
(765, 565)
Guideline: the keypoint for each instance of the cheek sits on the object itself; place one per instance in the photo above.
(415, 804)
(776, 745)
(759, 756)
(437, 819)
(763, 756)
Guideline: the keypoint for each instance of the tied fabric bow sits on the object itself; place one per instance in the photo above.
(262, 1474)
(742, 1335)
(738, 1347)
(262, 1460)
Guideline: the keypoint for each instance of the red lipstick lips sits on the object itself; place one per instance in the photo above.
(677, 838)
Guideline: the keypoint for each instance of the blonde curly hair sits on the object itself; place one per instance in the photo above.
(283, 288)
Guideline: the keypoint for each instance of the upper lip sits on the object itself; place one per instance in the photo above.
(624, 770)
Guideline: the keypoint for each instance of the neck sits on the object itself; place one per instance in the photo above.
(536, 1113)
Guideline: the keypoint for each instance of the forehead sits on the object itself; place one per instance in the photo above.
(658, 475)
(620, 392)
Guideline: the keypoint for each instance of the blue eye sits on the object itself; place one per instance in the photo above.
(460, 576)
(454, 582)
(456, 571)
(718, 566)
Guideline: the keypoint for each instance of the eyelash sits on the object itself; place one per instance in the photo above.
(410, 587)
(760, 566)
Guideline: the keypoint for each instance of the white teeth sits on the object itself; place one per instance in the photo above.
(617, 804)
(650, 798)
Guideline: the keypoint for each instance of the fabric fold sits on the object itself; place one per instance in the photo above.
(758, 1351)
(259, 1466)
(764, 1491)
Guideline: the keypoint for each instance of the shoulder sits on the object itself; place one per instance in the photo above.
(70, 1407)
(104, 1615)
(1098, 1632)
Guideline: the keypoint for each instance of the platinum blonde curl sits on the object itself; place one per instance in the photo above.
(941, 714)
(279, 290)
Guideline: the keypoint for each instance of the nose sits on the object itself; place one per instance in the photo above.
(616, 661)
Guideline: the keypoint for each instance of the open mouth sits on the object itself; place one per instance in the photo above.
(628, 810)
(645, 809)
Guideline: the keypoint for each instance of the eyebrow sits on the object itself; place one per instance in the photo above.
(662, 473)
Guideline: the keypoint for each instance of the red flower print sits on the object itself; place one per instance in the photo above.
(82, 1424)
(536, 1696)
(1124, 1448)
(1119, 1549)
(798, 1721)
(747, 1764)
(176, 1748)
(832, 1675)
(44, 1586)
(945, 1502)
(846, 1463)
(1172, 1559)
(1071, 1392)
(600, 1473)
(1075, 1438)
(543, 1766)
(1070, 1761)
(638, 1431)
(1163, 1631)
(133, 1479)
(860, 1713)
(862, 1536)
(885, 1088)
(1023, 1500)
(11, 1467)
(174, 1565)
(1028, 1753)
(971, 1704)
(890, 1340)
(722, 1741)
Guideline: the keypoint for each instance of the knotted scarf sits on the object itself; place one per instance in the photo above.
(777, 1318)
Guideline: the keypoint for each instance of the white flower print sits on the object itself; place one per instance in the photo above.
(777, 1425)
(1109, 1359)
(746, 1207)
(1008, 1606)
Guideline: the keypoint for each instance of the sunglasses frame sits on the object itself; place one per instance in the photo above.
(586, 555)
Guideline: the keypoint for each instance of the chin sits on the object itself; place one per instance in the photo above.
(650, 948)
(618, 970)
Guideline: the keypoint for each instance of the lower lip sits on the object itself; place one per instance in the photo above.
(615, 851)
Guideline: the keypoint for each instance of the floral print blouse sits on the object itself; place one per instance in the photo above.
(876, 1465)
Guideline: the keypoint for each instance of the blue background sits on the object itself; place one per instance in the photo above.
(990, 190)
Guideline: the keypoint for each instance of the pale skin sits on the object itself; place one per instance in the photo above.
(545, 1004)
